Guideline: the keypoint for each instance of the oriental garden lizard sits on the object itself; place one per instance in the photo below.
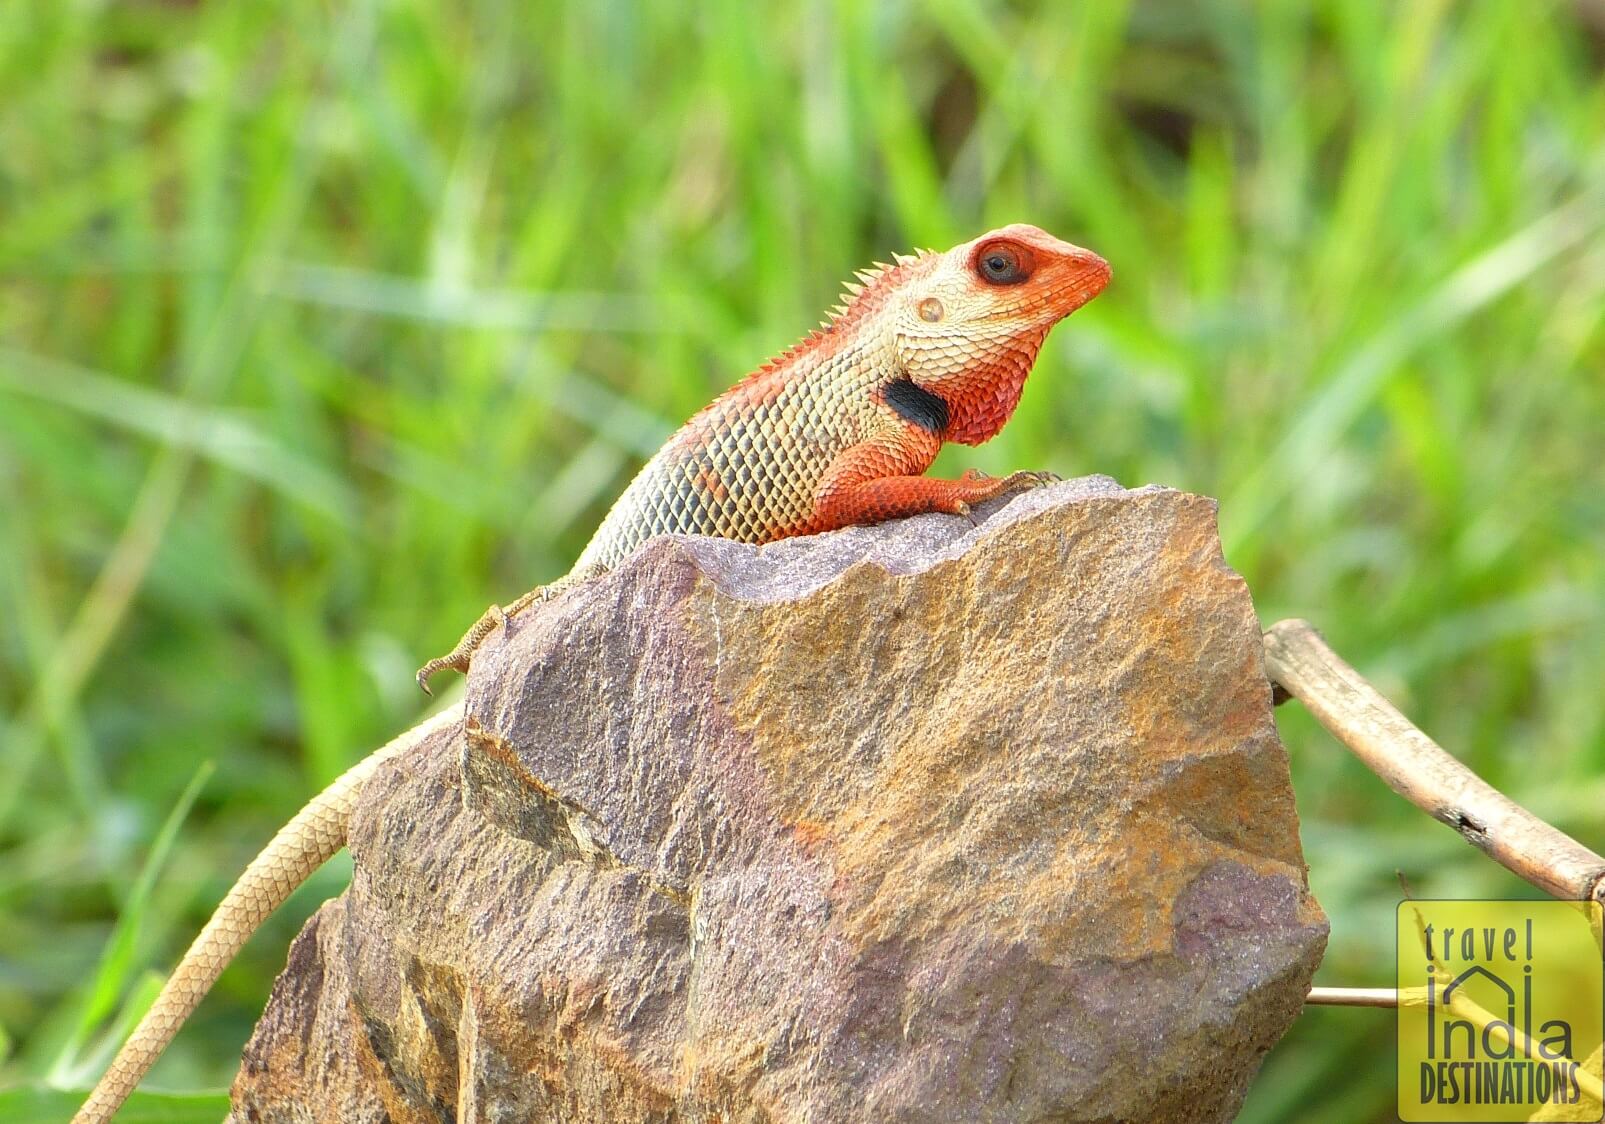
(837, 430)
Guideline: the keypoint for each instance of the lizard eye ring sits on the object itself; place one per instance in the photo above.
(931, 310)
(1004, 263)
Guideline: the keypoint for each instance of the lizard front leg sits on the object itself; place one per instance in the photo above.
(879, 479)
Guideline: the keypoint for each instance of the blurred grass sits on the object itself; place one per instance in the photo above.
(323, 324)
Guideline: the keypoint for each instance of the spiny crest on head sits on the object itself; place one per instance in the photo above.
(858, 299)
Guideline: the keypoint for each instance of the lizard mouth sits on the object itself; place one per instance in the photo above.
(1089, 280)
(1083, 283)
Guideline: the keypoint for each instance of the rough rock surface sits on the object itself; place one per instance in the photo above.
(919, 822)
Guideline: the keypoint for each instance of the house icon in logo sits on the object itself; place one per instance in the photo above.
(1446, 999)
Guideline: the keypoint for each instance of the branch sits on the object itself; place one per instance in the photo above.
(1417, 768)
(1458, 1004)
(1354, 997)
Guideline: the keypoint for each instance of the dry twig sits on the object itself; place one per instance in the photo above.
(1300, 664)
(1501, 1032)
(1417, 768)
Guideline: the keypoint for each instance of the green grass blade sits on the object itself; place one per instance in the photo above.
(116, 965)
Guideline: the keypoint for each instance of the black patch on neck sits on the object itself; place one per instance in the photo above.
(916, 405)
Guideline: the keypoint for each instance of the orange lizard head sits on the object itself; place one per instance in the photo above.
(968, 323)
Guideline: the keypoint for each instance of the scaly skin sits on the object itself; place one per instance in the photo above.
(835, 431)
(839, 429)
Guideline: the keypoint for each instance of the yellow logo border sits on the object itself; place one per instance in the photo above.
(1508, 1068)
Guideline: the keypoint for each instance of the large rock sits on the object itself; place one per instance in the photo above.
(918, 822)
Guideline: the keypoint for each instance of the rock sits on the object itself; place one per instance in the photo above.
(917, 822)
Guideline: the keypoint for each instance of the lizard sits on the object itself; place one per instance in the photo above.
(839, 429)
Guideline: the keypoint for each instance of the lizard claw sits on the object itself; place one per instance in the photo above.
(426, 671)
(1024, 481)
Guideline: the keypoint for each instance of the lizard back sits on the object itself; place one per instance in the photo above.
(747, 466)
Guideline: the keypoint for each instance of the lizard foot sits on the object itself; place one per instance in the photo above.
(1025, 481)
(493, 618)
(460, 656)
(992, 487)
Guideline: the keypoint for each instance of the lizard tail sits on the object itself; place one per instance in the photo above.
(315, 833)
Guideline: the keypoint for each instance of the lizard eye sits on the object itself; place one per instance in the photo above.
(1003, 263)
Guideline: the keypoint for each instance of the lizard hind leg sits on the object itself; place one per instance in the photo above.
(459, 657)
(493, 618)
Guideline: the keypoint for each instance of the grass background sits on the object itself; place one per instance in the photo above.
(323, 324)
